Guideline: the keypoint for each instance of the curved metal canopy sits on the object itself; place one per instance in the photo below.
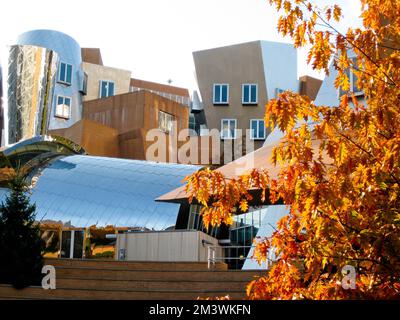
(22, 153)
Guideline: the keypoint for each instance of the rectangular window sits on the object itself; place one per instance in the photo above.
(83, 80)
(228, 128)
(65, 74)
(249, 93)
(166, 122)
(352, 80)
(106, 89)
(63, 107)
(221, 94)
(192, 124)
(257, 127)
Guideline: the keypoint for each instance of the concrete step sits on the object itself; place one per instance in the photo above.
(171, 275)
(150, 284)
(7, 291)
(81, 279)
(133, 265)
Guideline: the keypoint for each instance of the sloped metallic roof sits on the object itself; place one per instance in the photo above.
(260, 159)
(85, 190)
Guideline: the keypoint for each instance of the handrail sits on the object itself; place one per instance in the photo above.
(212, 259)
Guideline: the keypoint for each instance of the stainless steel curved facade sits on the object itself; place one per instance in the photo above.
(69, 52)
(44, 76)
(83, 191)
(32, 74)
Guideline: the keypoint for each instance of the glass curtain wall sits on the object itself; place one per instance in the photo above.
(195, 222)
(241, 233)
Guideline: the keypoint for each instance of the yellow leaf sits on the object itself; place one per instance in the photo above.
(243, 206)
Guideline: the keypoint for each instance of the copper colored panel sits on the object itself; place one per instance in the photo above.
(148, 85)
(132, 115)
(310, 86)
(259, 159)
(95, 138)
(92, 55)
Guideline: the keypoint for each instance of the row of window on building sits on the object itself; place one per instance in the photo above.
(106, 89)
(250, 90)
(249, 94)
(229, 129)
(228, 126)
(63, 106)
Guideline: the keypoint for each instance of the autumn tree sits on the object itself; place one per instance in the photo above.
(343, 195)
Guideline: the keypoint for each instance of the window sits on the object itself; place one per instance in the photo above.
(106, 89)
(63, 107)
(192, 124)
(353, 80)
(221, 94)
(249, 93)
(228, 128)
(195, 222)
(65, 74)
(166, 122)
(83, 80)
(257, 129)
(278, 91)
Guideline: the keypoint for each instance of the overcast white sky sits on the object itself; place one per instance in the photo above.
(154, 38)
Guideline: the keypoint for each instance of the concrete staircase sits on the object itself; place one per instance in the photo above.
(101, 279)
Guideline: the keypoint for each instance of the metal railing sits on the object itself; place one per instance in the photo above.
(212, 259)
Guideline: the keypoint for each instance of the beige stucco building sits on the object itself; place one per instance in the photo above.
(99, 74)
(237, 81)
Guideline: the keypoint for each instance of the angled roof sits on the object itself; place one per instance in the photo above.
(143, 84)
(259, 159)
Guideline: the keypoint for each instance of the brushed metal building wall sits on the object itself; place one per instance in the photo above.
(33, 84)
(69, 52)
(32, 74)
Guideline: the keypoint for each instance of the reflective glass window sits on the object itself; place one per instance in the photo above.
(63, 107)
(78, 244)
(257, 127)
(166, 122)
(83, 81)
(66, 244)
(65, 74)
(253, 94)
(192, 123)
(249, 93)
(106, 89)
(228, 128)
(221, 94)
(217, 93)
